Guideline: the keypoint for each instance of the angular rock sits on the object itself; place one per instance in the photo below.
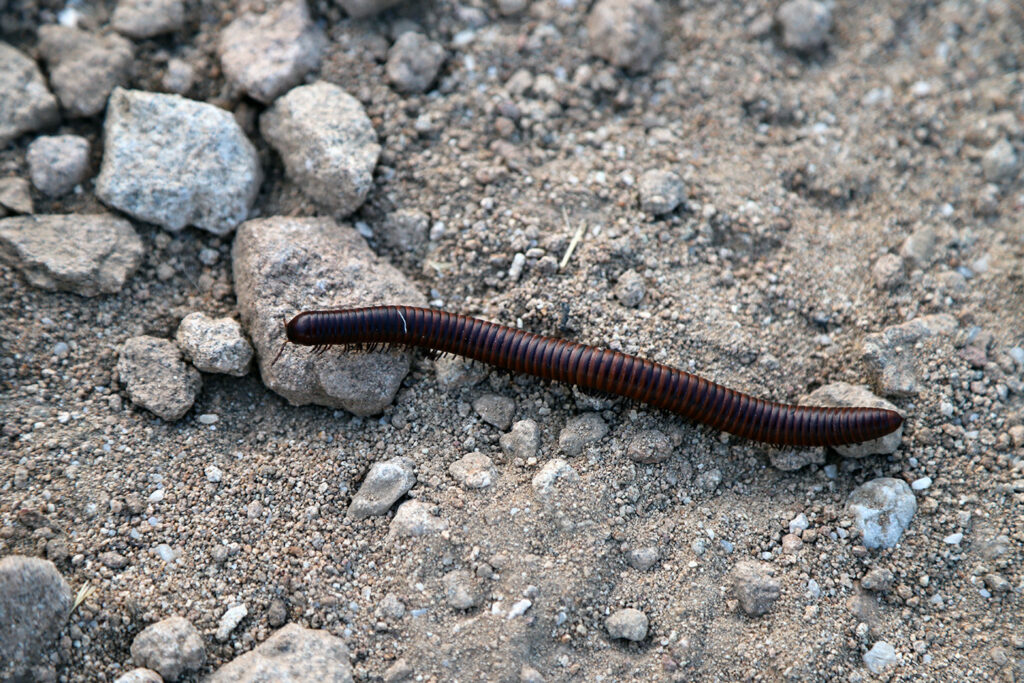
(87, 255)
(919, 247)
(626, 33)
(267, 54)
(454, 372)
(385, 483)
(880, 657)
(804, 24)
(496, 410)
(327, 143)
(141, 19)
(35, 601)
(179, 77)
(878, 580)
(139, 675)
(84, 68)
(629, 624)
(416, 518)
(170, 647)
(15, 194)
(156, 378)
(215, 345)
(661, 192)
(1001, 162)
(364, 8)
(581, 431)
(888, 272)
(554, 474)
(643, 559)
(882, 510)
(754, 588)
(405, 230)
(176, 162)
(229, 621)
(523, 441)
(649, 447)
(26, 104)
(461, 590)
(401, 670)
(292, 654)
(630, 289)
(413, 62)
(473, 471)
(56, 163)
(891, 356)
(285, 265)
(841, 394)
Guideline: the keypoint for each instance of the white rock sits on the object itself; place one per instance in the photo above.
(882, 510)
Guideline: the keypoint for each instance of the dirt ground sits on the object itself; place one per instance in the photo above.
(801, 172)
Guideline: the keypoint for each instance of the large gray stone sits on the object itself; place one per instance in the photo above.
(84, 68)
(35, 602)
(87, 255)
(176, 162)
(292, 655)
(26, 104)
(286, 265)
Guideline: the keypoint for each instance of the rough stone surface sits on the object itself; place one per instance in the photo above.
(1001, 162)
(285, 265)
(84, 68)
(87, 255)
(887, 272)
(629, 624)
(405, 230)
(156, 378)
(215, 345)
(293, 653)
(473, 471)
(140, 675)
(554, 474)
(878, 580)
(882, 510)
(841, 394)
(496, 410)
(880, 657)
(413, 62)
(327, 143)
(57, 163)
(176, 162)
(649, 447)
(35, 601)
(626, 33)
(920, 246)
(15, 195)
(891, 356)
(170, 647)
(661, 192)
(755, 588)
(461, 589)
(229, 621)
(267, 54)
(630, 289)
(804, 24)
(523, 441)
(26, 104)
(401, 670)
(580, 432)
(792, 459)
(415, 518)
(141, 19)
(364, 8)
(384, 484)
(643, 559)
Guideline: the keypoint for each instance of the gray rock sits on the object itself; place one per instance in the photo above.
(413, 62)
(661, 192)
(268, 54)
(176, 162)
(887, 272)
(14, 192)
(26, 104)
(293, 653)
(523, 441)
(509, 8)
(214, 345)
(454, 372)
(142, 19)
(880, 657)
(555, 473)
(385, 483)
(708, 480)
(473, 471)
(495, 410)
(277, 613)
(629, 624)
(919, 247)
(643, 559)
(113, 560)
(804, 24)
(391, 607)
(179, 76)
(229, 621)
(878, 580)
(170, 647)
(755, 588)
(649, 447)
(139, 675)
(626, 33)
(630, 289)
(527, 674)
(57, 163)
(327, 143)
(156, 378)
(284, 265)
(87, 255)
(401, 670)
(891, 356)
(35, 601)
(792, 459)
(415, 518)
(405, 230)
(84, 68)
(461, 589)
(581, 431)
(1000, 163)
(882, 510)
(364, 8)
(841, 394)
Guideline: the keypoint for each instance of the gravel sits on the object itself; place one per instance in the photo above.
(804, 24)
(413, 62)
(57, 163)
(626, 33)
(755, 588)
(554, 475)
(385, 483)
(661, 192)
(495, 410)
(171, 647)
(416, 518)
(522, 441)
(580, 432)
(473, 471)
(461, 590)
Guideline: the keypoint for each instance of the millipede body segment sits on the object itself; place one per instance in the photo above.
(595, 369)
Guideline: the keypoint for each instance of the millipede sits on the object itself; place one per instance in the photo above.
(592, 369)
